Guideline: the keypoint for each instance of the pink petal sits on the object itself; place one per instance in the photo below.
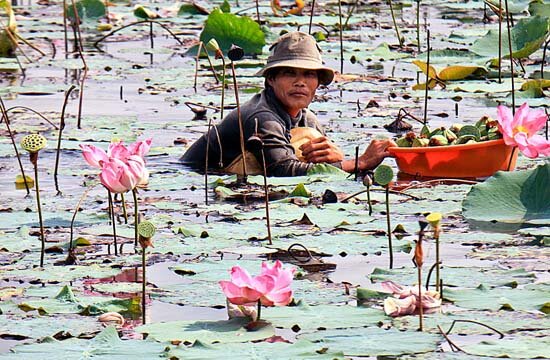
(535, 121)
(140, 148)
(521, 115)
(541, 144)
(399, 307)
(110, 178)
(277, 298)
(239, 295)
(118, 150)
(240, 276)
(396, 289)
(93, 155)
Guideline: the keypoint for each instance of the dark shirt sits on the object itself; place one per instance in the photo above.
(265, 115)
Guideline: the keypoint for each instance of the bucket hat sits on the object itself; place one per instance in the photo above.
(298, 50)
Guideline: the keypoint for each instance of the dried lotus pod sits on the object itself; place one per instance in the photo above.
(438, 140)
(420, 142)
(33, 143)
(470, 130)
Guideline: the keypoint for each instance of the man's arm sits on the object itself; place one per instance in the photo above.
(322, 150)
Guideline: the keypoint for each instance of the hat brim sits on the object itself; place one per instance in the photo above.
(326, 74)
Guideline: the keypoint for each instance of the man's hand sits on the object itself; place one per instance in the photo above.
(372, 157)
(321, 150)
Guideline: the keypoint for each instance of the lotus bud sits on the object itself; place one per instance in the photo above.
(438, 140)
(367, 180)
(111, 317)
(235, 53)
(213, 46)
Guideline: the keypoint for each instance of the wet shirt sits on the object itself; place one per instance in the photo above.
(264, 115)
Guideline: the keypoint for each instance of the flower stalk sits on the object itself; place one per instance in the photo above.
(383, 176)
(33, 143)
(418, 261)
(435, 221)
(146, 232)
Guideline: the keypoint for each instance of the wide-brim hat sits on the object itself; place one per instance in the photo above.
(298, 50)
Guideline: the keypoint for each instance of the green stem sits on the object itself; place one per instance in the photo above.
(436, 235)
(421, 311)
(143, 284)
(395, 25)
(389, 225)
(113, 217)
(124, 212)
(42, 238)
(136, 217)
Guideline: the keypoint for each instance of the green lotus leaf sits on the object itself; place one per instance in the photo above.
(143, 12)
(301, 349)
(518, 346)
(375, 341)
(87, 9)
(300, 190)
(105, 346)
(528, 35)
(229, 29)
(540, 9)
(223, 331)
(513, 197)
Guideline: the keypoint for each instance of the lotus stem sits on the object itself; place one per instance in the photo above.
(110, 211)
(356, 165)
(421, 312)
(138, 23)
(514, 149)
(37, 189)
(430, 276)
(78, 39)
(474, 322)
(418, 24)
(452, 345)
(258, 12)
(437, 231)
(389, 225)
(511, 58)
(124, 212)
(341, 37)
(311, 16)
(395, 24)
(350, 12)
(368, 199)
(197, 64)
(500, 41)
(113, 217)
(266, 190)
(143, 284)
(241, 131)
(74, 217)
(151, 35)
(34, 112)
(61, 128)
(543, 59)
(136, 217)
(258, 316)
(427, 78)
(7, 121)
(65, 28)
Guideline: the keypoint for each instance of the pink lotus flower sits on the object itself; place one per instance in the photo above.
(400, 304)
(271, 287)
(119, 176)
(94, 155)
(521, 130)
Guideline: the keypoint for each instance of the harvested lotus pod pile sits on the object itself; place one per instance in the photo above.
(485, 129)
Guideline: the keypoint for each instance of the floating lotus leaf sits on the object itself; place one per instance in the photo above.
(528, 35)
(517, 346)
(539, 8)
(33, 143)
(105, 346)
(229, 29)
(375, 341)
(513, 197)
(223, 331)
(301, 349)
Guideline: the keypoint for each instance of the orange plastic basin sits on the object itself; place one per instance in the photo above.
(456, 161)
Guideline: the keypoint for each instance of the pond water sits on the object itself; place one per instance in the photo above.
(135, 92)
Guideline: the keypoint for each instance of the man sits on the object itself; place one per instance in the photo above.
(293, 72)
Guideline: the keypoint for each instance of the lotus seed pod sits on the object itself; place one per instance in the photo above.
(420, 142)
(383, 175)
(235, 53)
(494, 134)
(455, 128)
(451, 136)
(481, 123)
(425, 132)
(469, 130)
(438, 131)
(438, 140)
(146, 229)
(33, 143)
(465, 139)
(434, 219)
(403, 142)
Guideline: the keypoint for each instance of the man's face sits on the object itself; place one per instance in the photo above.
(295, 88)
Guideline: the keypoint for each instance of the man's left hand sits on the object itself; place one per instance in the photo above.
(321, 150)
